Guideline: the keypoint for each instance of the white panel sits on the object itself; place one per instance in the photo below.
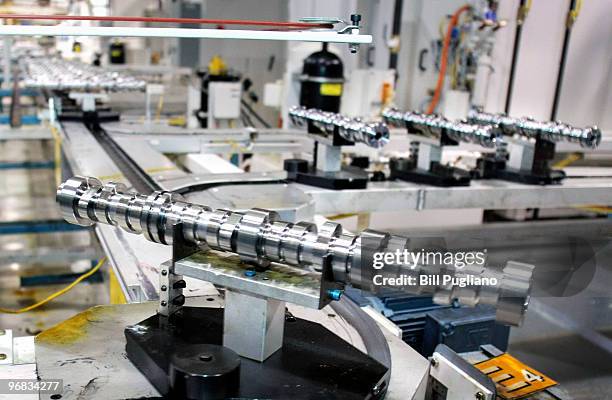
(586, 84)
(224, 100)
(538, 62)
(210, 164)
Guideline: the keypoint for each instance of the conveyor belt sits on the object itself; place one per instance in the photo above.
(140, 180)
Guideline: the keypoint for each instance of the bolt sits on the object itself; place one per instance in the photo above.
(355, 19)
(164, 303)
(206, 357)
(164, 272)
(250, 273)
(164, 288)
(480, 396)
(2, 356)
(334, 294)
(433, 361)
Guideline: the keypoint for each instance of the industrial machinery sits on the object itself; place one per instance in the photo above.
(531, 147)
(76, 87)
(424, 165)
(331, 131)
(232, 279)
(220, 94)
(322, 81)
(276, 262)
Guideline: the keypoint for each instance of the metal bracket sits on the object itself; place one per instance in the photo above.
(171, 284)
(453, 378)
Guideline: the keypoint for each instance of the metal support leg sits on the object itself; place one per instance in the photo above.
(329, 158)
(253, 326)
(171, 285)
(428, 153)
(521, 155)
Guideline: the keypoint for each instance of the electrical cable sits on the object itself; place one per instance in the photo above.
(254, 114)
(572, 15)
(247, 118)
(444, 58)
(203, 21)
(58, 293)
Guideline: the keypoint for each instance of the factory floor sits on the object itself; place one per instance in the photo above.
(556, 338)
(27, 194)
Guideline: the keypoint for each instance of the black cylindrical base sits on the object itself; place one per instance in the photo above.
(204, 371)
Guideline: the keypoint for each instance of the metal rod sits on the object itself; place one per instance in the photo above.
(373, 134)
(195, 33)
(433, 125)
(555, 131)
(203, 21)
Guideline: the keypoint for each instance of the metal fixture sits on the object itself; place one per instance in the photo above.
(330, 131)
(373, 134)
(531, 149)
(555, 131)
(258, 237)
(425, 163)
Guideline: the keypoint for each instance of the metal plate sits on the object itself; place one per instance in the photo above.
(278, 282)
(88, 352)
(291, 204)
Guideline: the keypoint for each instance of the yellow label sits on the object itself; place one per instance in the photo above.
(331, 89)
(513, 379)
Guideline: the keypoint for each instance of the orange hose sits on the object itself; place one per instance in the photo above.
(444, 59)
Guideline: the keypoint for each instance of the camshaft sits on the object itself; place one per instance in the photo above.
(58, 74)
(259, 237)
(433, 125)
(374, 134)
(552, 130)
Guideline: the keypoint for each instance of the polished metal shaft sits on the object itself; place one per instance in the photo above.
(373, 134)
(433, 125)
(552, 130)
(259, 237)
(55, 73)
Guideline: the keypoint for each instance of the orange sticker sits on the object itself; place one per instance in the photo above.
(513, 379)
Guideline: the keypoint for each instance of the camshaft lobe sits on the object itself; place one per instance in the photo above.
(435, 125)
(374, 134)
(528, 127)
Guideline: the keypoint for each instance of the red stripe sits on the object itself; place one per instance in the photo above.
(167, 20)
